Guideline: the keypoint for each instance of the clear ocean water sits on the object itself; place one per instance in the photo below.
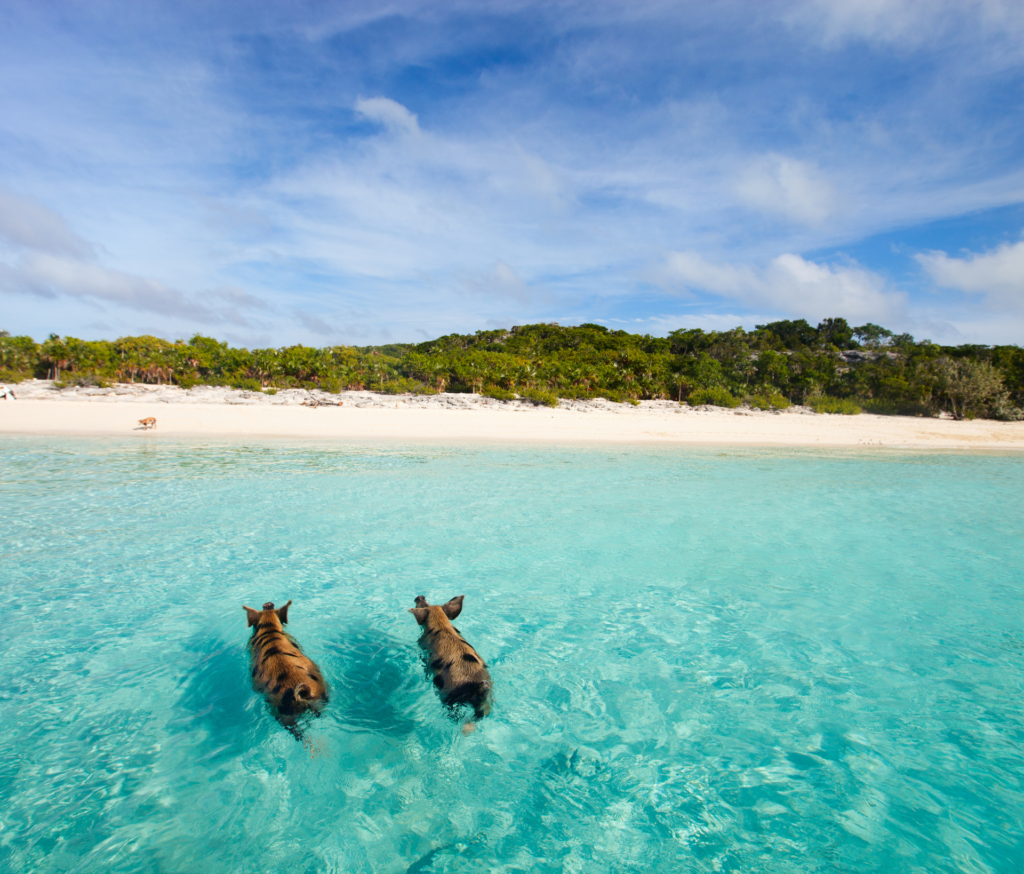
(704, 659)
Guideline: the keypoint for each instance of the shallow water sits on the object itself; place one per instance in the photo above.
(704, 659)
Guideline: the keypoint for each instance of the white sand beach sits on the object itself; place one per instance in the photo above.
(207, 411)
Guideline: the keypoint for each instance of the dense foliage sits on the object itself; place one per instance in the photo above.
(787, 361)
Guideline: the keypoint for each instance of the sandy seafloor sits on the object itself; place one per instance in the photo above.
(207, 411)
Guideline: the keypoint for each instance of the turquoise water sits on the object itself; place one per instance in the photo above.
(704, 660)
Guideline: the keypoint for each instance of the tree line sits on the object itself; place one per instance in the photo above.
(833, 367)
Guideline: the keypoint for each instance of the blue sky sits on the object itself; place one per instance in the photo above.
(323, 173)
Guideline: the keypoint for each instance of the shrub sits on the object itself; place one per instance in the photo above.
(967, 385)
(886, 407)
(774, 401)
(270, 390)
(403, 385)
(13, 376)
(188, 381)
(715, 396)
(840, 406)
(246, 384)
(538, 397)
(1001, 407)
(880, 406)
(498, 393)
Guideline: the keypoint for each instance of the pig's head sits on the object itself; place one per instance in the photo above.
(268, 615)
(423, 611)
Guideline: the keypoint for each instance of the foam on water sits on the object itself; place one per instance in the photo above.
(704, 660)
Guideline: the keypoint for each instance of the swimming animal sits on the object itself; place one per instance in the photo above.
(460, 675)
(148, 422)
(289, 679)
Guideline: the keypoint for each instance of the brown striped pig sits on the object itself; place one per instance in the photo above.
(460, 675)
(290, 680)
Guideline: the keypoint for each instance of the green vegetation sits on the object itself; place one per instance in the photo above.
(770, 401)
(772, 366)
(498, 393)
(715, 395)
(539, 397)
(840, 406)
(886, 407)
(969, 385)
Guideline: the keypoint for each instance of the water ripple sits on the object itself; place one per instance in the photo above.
(750, 660)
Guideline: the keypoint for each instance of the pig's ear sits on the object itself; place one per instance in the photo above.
(282, 612)
(420, 613)
(454, 607)
(253, 615)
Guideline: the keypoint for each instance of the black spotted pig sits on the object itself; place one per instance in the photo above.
(289, 679)
(460, 675)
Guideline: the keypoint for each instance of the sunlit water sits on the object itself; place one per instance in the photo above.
(704, 660)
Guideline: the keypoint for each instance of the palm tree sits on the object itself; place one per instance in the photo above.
(54, 354)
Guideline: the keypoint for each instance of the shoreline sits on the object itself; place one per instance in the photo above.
(212, 411)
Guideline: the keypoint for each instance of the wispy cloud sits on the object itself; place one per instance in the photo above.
(51, 262)
(910, 22)
(789, 284)
(317, 324)
(416, 167)
(389, 113)
(787, 187)
(998, 275)
(25, 222)
(501, 282)
(51, 276)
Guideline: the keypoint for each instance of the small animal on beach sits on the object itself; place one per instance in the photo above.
(148, 422)
(460, 675)
(289, 679)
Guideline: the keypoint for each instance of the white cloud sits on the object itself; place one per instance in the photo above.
(911, 22)
(694, 272)
(999, 274)
(501, 282)
(576, 166)
(508, 280)
(78, 279)
(885, 20)
(316, 324)
(50, 261)
(789, 284)
(544, 181)
(785, 186)
(389, 113)
(400, 209)
(27, 223)
(40, 274)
